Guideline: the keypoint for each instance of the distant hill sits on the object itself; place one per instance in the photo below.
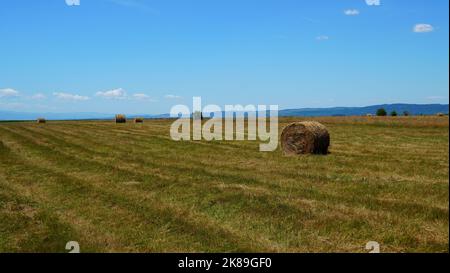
(10, 115)
(413, 109)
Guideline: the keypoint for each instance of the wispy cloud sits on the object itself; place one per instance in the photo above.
(143, 97)
(351, 12)
(141, 5)
(322, 38)
(118, 93)
(8, 92)
(121, 94)
(373, 2)
(67, 96)
(436, 98)
(38, 96)
(309, 19)
(423, 28)
(172, 97)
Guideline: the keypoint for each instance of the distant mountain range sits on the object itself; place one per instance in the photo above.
(413, 109)
(10, 115)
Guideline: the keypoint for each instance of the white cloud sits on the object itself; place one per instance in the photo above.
(322, 38)
(8, 92)
(141, 96)
(38, 96)
(373, 2)
(423, 28)
(73, 2)
(118, 93)
(172, 97)
(67, 96)
(351, 12)
(436, 98)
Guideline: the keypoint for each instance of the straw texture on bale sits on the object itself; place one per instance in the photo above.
(121, 119)
(139, 120)
(41, 120)
(308, 137)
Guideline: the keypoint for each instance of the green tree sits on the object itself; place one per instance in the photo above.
(394, 113)
(406, 113)
(381, 112)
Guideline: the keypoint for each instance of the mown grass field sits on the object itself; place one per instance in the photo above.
(130, 188)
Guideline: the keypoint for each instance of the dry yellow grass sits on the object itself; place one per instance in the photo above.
(131, 188)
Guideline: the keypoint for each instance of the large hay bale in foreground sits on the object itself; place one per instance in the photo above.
(139, 120)
(41, 120)
(121, 118)
(308, 137)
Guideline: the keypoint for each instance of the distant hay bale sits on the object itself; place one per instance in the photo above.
(121, 118)
(41, 120)
(197, 115)
(440, 114)
(3, 147)
(307, 137)
(139, 120)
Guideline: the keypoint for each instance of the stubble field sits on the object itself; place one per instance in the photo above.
(131, 188)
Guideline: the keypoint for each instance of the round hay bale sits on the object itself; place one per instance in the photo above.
(121, 118)
(41, 120)
(139, 120)
(3, 147)
(308, 137)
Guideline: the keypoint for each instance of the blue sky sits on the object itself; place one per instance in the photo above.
(133, 56)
